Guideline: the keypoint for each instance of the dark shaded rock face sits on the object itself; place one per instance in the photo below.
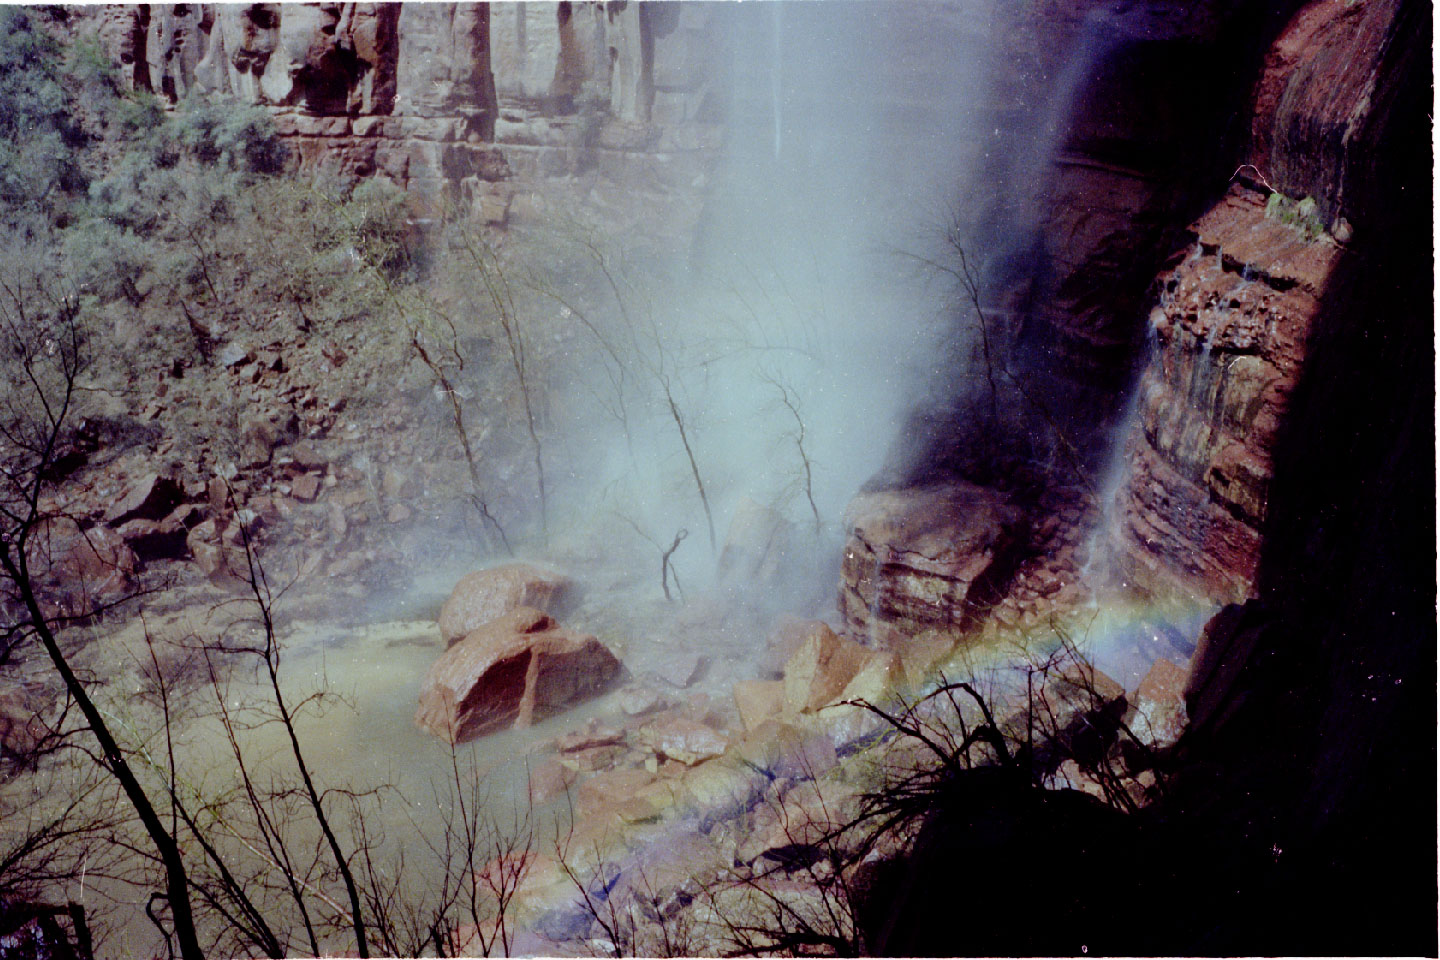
(1236, 313)
(1116, 125)
(1126, 257)
(1282, 451)
(1326, 103)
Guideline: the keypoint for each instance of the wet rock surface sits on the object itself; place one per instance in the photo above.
(1230, 332)
(486, 595)
(1160, 716)
(821, 667)
(512, 670)
(924, 557)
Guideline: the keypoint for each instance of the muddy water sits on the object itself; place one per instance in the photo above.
(361, 737)
(376, 669)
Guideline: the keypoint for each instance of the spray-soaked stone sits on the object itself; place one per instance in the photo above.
(513, 670)
(758, 701)
(925, 558)
(488, 594)
(682, 739)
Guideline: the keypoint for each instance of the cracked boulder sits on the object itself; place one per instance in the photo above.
(511, 671)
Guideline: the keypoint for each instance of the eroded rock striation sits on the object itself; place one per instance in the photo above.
(1229, 333)
(925, 558)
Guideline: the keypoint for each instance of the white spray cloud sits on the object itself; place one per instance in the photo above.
(851, 127)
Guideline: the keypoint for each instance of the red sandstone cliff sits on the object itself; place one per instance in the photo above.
(462, 103)
(1236, 311)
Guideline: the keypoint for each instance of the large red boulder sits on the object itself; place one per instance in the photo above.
(1160, 705)
(512, 670)
(487, 594)
(925, 558)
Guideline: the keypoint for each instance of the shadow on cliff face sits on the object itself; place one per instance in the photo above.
(1302, 815)
(1331, 734)
(1074, 212)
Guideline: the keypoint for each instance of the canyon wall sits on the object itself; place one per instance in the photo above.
(1276, 322)
(1236, 308)
(1115, 126)
(1153, 303)
(1123, 256)
(459, 103)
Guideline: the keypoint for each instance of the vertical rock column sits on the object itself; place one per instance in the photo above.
(445, 103)
(1229, 342)
(1236, 312)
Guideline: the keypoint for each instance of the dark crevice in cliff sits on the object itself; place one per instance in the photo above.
(1157, 107)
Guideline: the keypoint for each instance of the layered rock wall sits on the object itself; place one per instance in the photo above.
(1234, 315)
(1127, 256)
(457, 102)
(1229, 343)
(921, 559)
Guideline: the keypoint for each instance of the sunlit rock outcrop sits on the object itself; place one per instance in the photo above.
(450, 100)
(925, 558)
(175, 38)
(489, 594)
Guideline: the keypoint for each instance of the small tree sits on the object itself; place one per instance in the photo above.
(43, 363)
(790, 400)
(498, 294)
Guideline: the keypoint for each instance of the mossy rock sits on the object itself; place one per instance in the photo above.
(1302, 214)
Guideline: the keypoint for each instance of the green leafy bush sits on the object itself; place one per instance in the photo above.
(38, 135)
(1302, 214)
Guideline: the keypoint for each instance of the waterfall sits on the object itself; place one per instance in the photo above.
(1096, 569)
(776, 75)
